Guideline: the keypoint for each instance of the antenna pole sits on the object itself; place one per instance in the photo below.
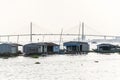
(18, 39)
(8, 38)
(61, 36)
(79, 32)
(82, 31)
(43, 38)
(31, 32)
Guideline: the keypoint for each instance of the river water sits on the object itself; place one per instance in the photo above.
(62, 67)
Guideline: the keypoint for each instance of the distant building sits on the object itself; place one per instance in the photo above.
(102, 47)
(39, 48)
(107, 48)
(9, 48)
(76, 47)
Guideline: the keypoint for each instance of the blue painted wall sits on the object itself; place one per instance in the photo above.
(56, 49)
(30, 48)
(33, 48)
(72, 44)
(7, 48)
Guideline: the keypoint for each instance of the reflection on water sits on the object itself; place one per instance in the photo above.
(62, 67)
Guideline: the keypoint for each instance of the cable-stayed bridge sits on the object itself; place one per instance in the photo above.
(74, 37)
(79, 36)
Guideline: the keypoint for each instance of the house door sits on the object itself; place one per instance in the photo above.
(39, 49)
(80, 47)
(50, 48)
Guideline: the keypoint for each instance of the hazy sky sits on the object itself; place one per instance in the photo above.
(49, 16)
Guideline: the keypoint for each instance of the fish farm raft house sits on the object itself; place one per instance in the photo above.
(41, 48)
(107, 48)
(9, 48)
(76, 47)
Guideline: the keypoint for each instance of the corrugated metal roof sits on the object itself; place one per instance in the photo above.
(13, 44)
(110, 45)
(51, 44)
(45, 43)
(74, 43)
(78, 42)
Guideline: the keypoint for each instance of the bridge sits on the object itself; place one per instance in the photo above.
(104, 37)
(76, 36)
